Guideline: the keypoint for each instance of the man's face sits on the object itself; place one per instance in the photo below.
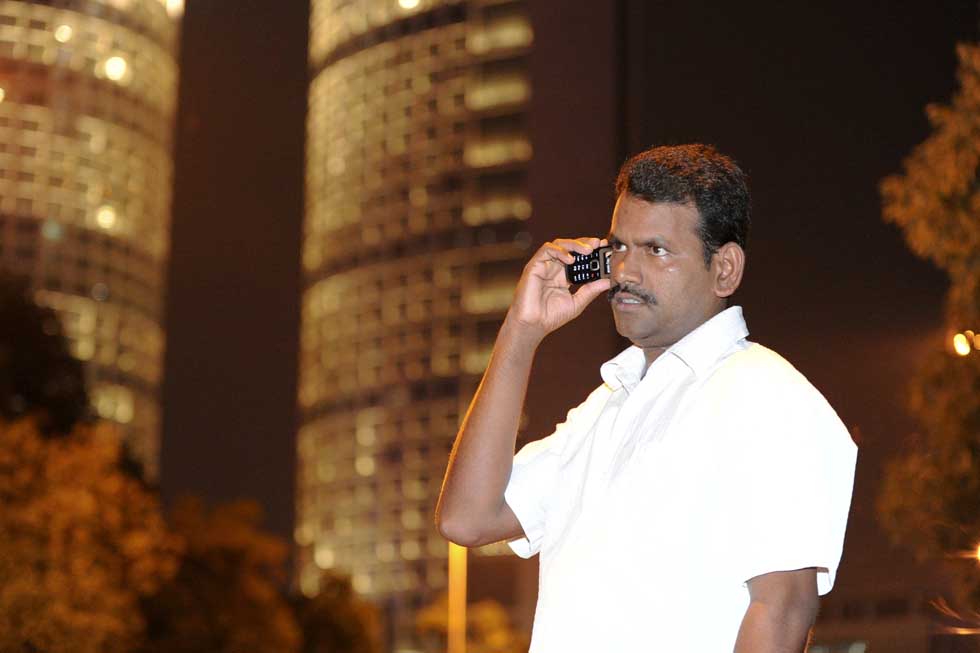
(662, 289)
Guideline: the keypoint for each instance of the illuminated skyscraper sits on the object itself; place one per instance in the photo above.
(415, 235)
(87, 98)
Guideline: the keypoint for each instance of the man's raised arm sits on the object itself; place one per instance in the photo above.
(471, 509)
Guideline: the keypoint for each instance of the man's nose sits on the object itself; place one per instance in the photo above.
(624, 268)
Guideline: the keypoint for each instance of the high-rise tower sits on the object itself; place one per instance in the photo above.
(415, 236)
(87, 99)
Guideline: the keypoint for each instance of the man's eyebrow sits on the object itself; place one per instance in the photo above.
(657, 241)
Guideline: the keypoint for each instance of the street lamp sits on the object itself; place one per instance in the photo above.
(964, 343)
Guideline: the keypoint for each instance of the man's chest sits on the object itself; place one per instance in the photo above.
(657, 469)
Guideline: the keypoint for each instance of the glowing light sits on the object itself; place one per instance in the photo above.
(63, 33)
(105, 217)
(115, 68)
(175, 8)
(978, 553)
(2, 94)
(408, 4)
(961, 344)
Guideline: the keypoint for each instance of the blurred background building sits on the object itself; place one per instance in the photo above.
(415, 234)
(420, 190)
(87, 100)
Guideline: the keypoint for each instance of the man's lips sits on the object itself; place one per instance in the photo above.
(620, 296)
(626, 298)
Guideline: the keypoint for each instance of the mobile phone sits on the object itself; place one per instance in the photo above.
(589, 267)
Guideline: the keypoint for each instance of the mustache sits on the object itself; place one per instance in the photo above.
(636, 291)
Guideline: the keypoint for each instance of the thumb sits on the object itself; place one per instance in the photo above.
(585, 294)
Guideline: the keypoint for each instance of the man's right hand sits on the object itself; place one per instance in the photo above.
(543, 301)
(472, 510)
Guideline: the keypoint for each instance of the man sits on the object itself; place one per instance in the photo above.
(697, 499)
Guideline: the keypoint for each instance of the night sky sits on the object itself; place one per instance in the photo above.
(817, 102)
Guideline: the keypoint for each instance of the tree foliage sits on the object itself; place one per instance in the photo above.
(226, 596)
(38, 375)
(337, 620)
(80, 542)
(930, 498)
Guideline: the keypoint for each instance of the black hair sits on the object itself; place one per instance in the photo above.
(693, 174)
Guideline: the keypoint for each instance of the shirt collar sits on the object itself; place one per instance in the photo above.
(699, 350)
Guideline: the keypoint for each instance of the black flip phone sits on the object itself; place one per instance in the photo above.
(589, 267)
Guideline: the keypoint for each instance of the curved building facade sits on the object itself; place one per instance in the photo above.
(87, 99)
(415, 236)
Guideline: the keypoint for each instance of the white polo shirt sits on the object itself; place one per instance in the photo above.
(663, 493)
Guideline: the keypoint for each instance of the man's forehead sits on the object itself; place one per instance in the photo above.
(647, 220)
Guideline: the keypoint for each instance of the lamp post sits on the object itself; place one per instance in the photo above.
(457, 599)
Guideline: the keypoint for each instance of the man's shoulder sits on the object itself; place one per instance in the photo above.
(757, 372)
(761, 392)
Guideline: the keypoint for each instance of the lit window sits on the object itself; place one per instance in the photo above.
(324, 557)
(411, 550)
(115, 68)
(411, 519)
(408, 4)
(512, 32)
(364, 465)
(490, 298)
(497, 151)
(361, 583)
(105, 217)
(63, 33)
(496, 92)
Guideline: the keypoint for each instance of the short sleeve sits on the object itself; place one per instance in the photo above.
(534, 472)
(534, 475)
(795, 484)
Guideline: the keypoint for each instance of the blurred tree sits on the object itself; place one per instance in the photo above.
(38, 375)
(337, 620)
(488, 627)
(930, 497)
(80, 543)
(225, 597)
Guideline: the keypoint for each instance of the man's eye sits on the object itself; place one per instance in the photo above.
(657, 250)
(618, 247)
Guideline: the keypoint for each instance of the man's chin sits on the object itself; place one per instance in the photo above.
(628, 328)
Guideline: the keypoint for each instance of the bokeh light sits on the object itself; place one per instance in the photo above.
(63, 33)
(115, 68)
(105, 217)
(961, 344)
(175, 8)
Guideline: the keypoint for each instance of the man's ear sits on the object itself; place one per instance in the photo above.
(728, 264)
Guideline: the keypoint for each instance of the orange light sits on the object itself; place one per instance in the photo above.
(961, 344)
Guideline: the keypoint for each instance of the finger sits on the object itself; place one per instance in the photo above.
(588, 292)
(583, 245)
(555, 252)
